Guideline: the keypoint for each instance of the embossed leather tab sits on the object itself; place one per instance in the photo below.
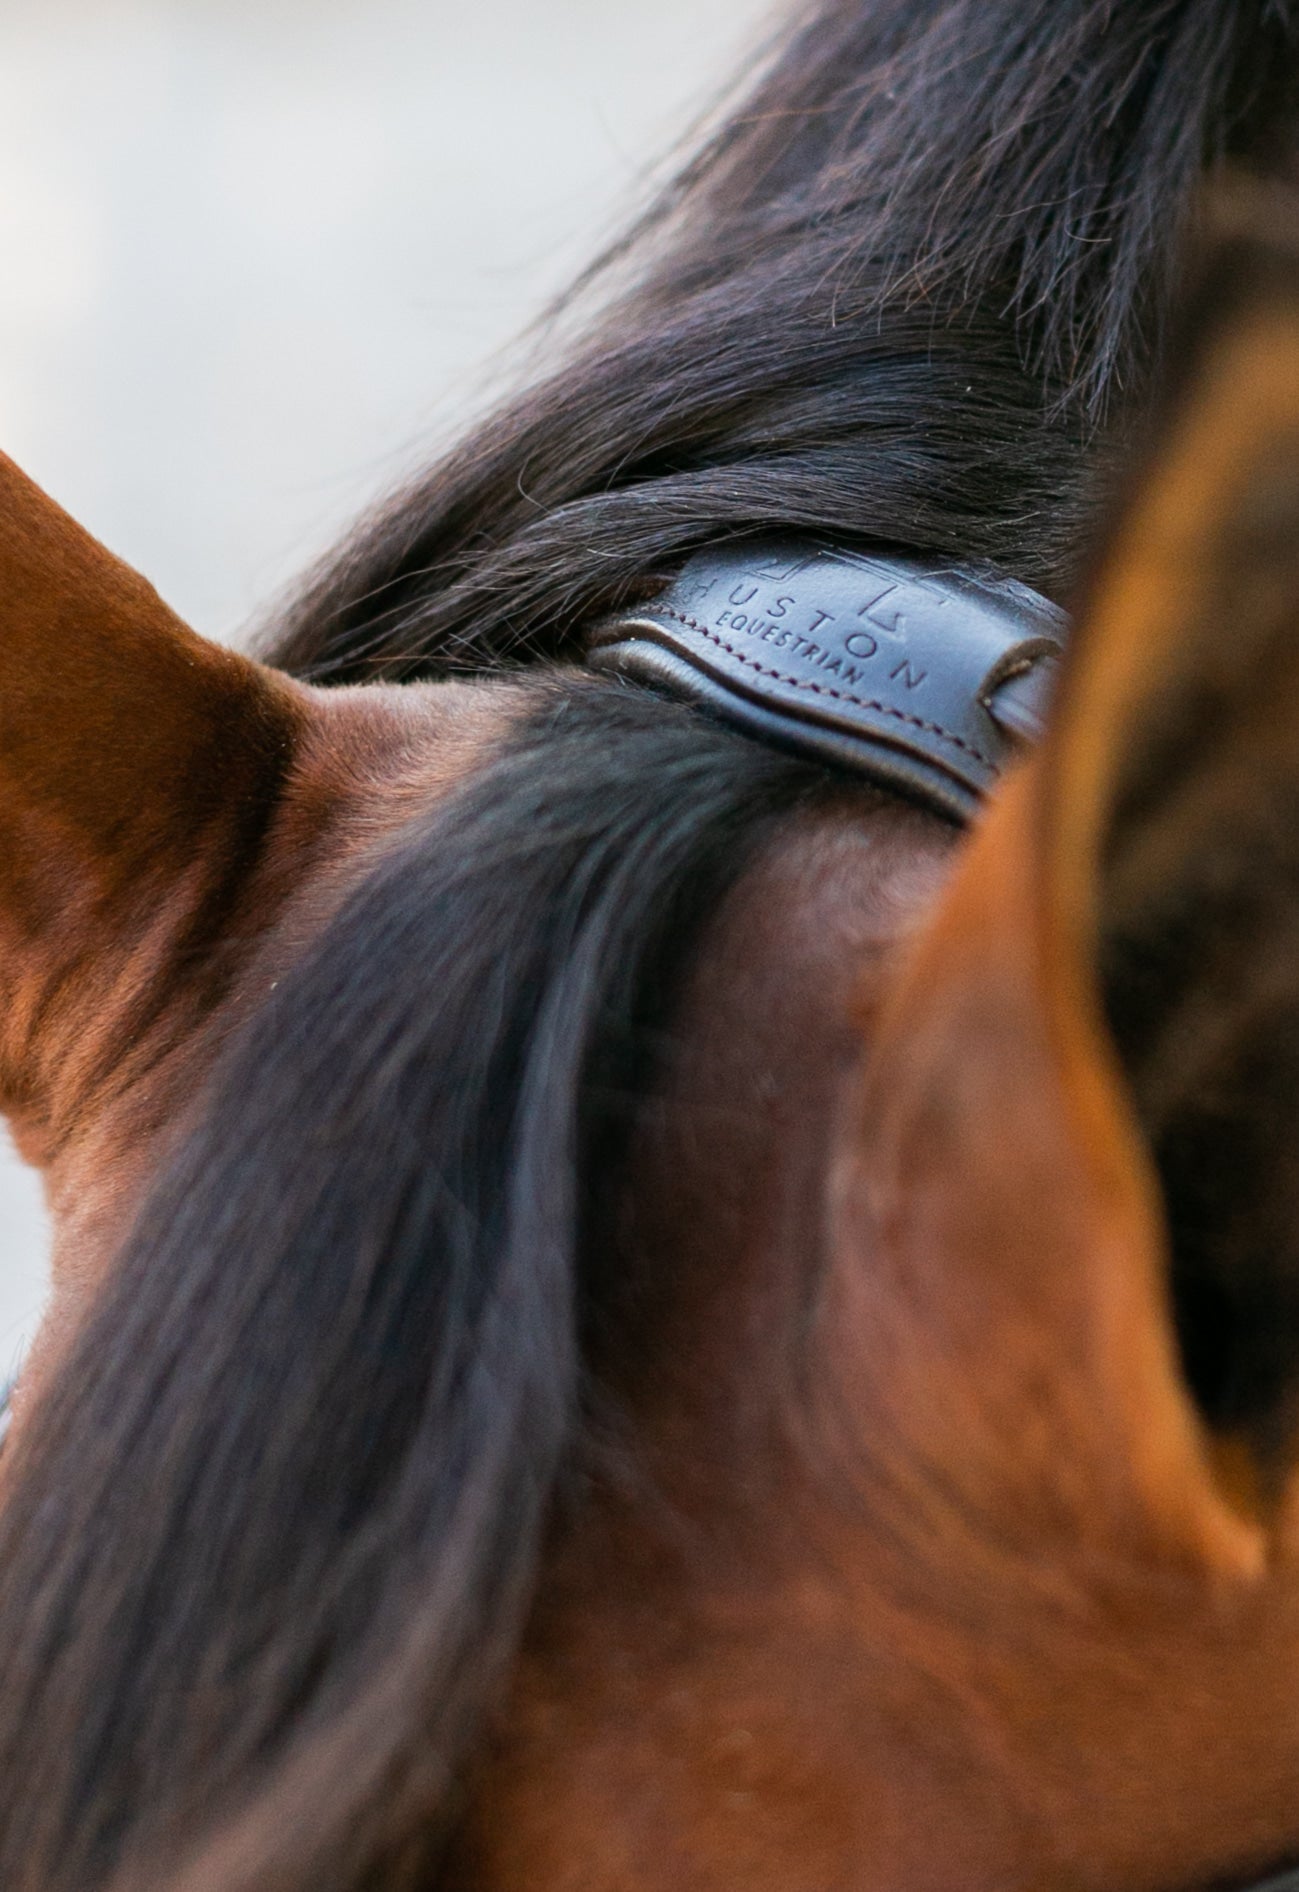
(927, 677)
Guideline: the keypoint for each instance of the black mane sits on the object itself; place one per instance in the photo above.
(894, 297)
(277, 1526)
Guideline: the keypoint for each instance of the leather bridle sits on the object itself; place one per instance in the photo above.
(927, 678)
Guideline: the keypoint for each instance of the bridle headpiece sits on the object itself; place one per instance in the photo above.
(927, 677)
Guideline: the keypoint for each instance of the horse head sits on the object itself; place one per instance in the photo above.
(633, 1308)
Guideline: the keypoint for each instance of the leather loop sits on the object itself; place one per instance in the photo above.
(928, 678)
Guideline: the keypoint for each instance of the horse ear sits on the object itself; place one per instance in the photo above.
(1075, 1165)
(138, 766)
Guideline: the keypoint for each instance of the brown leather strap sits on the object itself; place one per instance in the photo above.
(929, 678)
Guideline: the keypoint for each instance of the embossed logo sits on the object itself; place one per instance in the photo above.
(835, 644)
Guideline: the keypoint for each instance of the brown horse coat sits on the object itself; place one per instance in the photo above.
(921, 1567)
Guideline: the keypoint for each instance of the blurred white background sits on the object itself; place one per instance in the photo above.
(257, 255)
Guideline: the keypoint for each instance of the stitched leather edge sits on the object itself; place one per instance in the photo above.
(822, 689)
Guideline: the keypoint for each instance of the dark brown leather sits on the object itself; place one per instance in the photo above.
(927, 677)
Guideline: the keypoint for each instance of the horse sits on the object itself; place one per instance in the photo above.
(639, 1302)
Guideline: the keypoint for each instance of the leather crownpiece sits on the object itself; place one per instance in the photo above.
(927, 678)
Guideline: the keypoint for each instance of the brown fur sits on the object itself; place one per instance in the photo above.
(915, 1563)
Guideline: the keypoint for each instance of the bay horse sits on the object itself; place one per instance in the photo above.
(633, 1308)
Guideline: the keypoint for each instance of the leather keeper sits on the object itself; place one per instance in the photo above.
(928, 678)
